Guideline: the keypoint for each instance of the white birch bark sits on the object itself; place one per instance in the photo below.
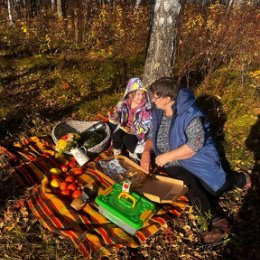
(137, 3)
(52, 6)
(59, 9)
(161, 51)
(10, 17)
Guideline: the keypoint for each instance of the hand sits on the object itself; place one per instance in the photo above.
(109, 114)
(112, 112)
(126, 129)
(145, 161)
(162, 159)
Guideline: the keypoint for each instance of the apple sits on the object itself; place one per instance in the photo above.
(55, 171)
(76, 170)
(63, 185)
(72, 186)
(72, 164)
(55, 183)
(76, 194)
(64, 168)
(66, 192)
(70, 178)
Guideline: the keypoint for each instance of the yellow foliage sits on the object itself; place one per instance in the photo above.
(118, 32)
(24, 28)
(254, 74)
(197, 21)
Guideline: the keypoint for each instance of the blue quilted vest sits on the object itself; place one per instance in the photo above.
(205, 164)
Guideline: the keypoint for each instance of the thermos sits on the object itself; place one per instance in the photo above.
(96, 127)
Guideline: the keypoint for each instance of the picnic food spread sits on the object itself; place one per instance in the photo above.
(64, 180)
(119, 204)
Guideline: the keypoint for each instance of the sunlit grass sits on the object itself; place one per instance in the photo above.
(99, 105)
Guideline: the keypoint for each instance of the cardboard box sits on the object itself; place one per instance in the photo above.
(158, 188)
(162, 189)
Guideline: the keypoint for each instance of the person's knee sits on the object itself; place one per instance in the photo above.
(117, 137)
(130, 143)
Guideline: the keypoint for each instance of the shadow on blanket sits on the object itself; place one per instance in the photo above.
(88, 230)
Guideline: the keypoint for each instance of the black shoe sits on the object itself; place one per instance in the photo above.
(220, 228)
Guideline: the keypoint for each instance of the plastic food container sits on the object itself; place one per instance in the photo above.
(130, 211)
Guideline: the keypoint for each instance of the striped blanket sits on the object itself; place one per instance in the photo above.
(87, 229)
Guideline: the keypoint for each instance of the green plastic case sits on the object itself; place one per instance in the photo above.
(129, 211)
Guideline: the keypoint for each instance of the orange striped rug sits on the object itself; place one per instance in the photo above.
(87, 229)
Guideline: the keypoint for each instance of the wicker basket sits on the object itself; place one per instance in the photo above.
(75, 126)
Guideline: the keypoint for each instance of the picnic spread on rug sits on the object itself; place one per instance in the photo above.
(97, 201)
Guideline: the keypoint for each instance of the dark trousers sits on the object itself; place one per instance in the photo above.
(200, 195)
(121, 139)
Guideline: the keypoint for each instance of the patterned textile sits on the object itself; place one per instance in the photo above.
(87, 229)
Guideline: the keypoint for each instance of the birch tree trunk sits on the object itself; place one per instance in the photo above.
(10, 17)
(52, 6)
(162, 44)
(138, 2)
(59, 9)
(76, 28)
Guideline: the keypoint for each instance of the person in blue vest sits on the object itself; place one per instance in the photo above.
(181, 143)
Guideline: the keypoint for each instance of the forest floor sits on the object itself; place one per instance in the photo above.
(23, 237)
(30, 105)
(182, 239)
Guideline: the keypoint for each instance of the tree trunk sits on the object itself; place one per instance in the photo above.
(236, 2)
(162, 45)
(52, 6)
(138, 2)
(10, 17)
(76, 28)
(59, 9)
